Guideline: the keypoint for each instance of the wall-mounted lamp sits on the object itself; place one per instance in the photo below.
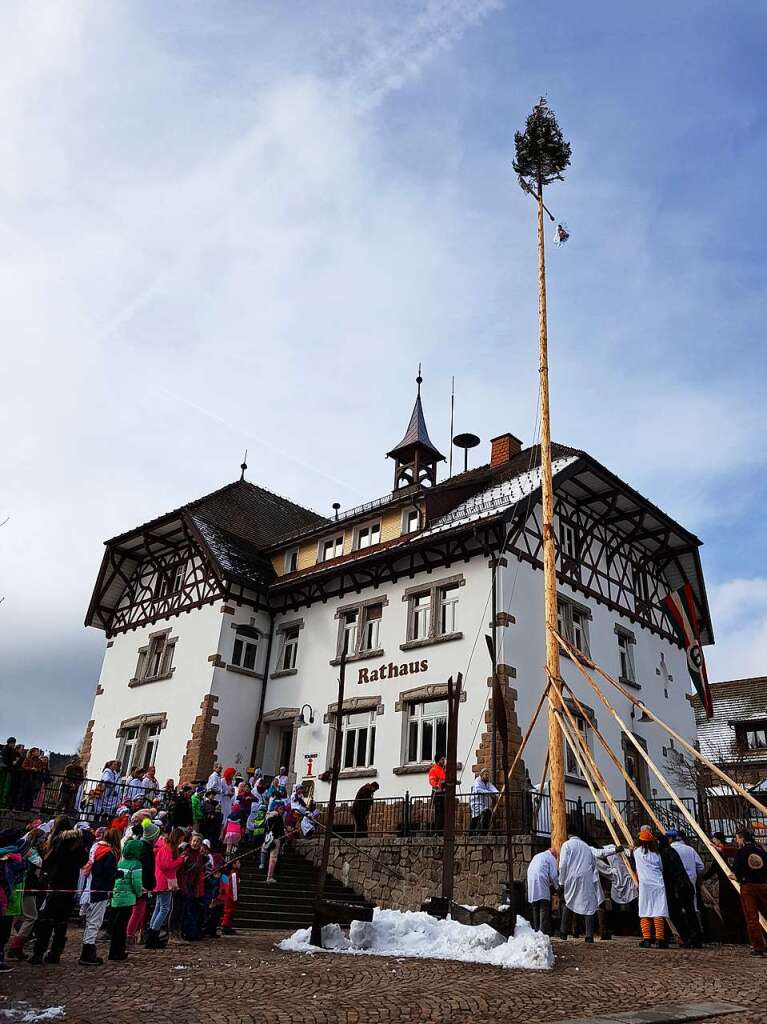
(301, 720)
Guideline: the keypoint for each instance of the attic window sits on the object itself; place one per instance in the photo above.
(752, 736)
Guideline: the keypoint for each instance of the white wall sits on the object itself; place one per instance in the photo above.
(238, 694)
(178, 697)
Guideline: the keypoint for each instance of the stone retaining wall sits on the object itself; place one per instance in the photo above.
(401, 873)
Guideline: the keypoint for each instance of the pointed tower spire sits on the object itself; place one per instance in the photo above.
(415, 457)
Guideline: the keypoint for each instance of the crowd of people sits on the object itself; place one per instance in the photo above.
(144, 863)
(594, 886)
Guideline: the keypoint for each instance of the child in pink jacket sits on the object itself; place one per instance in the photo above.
(167, 860)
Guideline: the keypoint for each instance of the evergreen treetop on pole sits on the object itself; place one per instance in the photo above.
(541, 151)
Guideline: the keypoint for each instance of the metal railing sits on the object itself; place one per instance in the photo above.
(45, 795)
(413, 816)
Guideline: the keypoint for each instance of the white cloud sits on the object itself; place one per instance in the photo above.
(739, 611)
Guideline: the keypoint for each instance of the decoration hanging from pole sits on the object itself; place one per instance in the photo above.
(561, 235)
(681, 610)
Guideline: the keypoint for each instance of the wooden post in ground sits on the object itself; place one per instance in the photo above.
(316, 935)
(499, 702)
(448, 848)
(556, 752)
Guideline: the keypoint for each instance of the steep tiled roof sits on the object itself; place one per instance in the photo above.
(416, 435)
(235, 557)
(253, 513)
(735, 700)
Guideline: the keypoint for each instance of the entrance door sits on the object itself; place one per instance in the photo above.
(636, 767)
(286, 746)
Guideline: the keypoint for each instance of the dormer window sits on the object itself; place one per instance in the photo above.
(332, 548)
(411, 520)
(291, 560)
(367, 536)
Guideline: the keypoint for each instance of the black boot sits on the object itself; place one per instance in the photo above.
(88, 957)
(153, 940)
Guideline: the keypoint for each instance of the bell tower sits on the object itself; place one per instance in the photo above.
(415, 457)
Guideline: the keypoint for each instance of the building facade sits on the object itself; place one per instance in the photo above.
(226, 620)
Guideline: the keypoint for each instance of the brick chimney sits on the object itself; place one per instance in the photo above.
(503, 449)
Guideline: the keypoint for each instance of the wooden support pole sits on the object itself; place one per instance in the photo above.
(595, 771)
(556, 754)
(448, 847)
(616, 761)
(316, 933)
(659, 721)
(565, 729)
(656, 771)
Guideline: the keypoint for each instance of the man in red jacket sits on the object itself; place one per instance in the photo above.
(437, 781)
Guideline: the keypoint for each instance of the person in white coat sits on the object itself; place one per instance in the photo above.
(624, 891)
(542, 879)
(653, 905)
(214, 781)
(690, 857)
(577, 868)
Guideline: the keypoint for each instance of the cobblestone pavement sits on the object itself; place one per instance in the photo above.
(243, 980)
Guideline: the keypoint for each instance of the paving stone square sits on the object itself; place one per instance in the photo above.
(244, 979)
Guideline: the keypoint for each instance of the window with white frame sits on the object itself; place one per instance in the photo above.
(371, 628)
(752, 736)
(641, 584)
(289, 649)
(291, 560)
(367, 536)
(359, 630)
(433, 612)
(411, 520)
(245, 650)
(331, 548)
(448, 604)
(626, 642)
(426, 731)
(350, 632)
(127, 749)
(178, 578)
(421, 616)
(138, 740)
(359, 739)
(571, 762)
(156, 660)
(568, 540)
(572, 623)
(152, 740)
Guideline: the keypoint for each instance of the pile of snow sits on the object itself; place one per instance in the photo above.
(22, 1016)
(397, 933)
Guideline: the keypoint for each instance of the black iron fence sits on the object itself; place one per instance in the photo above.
(44, 795)
(413, 816)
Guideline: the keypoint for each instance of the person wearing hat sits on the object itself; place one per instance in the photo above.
(226, 793)
(653, 905)
(128, 888)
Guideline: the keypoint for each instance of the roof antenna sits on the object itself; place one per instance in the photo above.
(244, 464)
(452, 415)
(336, 507)
(419, 380)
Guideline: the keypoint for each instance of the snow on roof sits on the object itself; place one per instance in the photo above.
(496, 497)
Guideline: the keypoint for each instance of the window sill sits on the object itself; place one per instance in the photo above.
(412, 645)
(576, 780)
(245, 671)
(629, 682)
(284, 672)
(419, 768)
(358, 773)
(150, 679)
(362, 656)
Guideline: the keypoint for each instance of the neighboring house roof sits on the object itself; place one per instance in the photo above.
(735, 701)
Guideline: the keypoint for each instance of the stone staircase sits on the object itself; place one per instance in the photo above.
(288, 904)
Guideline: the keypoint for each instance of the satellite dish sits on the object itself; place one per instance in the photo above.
(336, 507)
(465, 441)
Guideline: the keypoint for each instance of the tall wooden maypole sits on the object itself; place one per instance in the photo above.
(541, 156)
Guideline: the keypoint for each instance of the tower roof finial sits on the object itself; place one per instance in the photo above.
(244, 464)
(419, 380)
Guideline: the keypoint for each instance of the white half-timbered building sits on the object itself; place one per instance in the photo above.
(225, 621)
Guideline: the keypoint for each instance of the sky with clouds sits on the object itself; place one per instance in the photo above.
(240, 225)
